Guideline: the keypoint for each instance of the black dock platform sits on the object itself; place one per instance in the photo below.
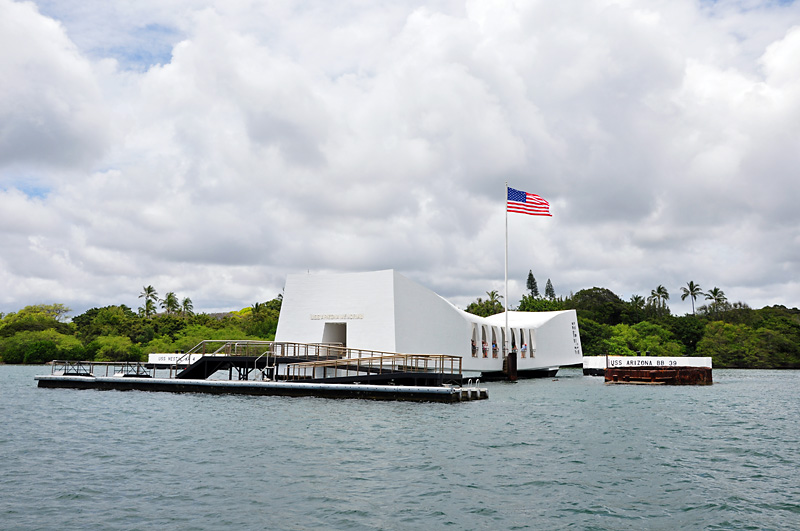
(254, 387)
(372, 375)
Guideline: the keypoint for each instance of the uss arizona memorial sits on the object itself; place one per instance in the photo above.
(385, 311)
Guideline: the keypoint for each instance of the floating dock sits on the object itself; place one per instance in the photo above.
(279, 370)
(252, 387)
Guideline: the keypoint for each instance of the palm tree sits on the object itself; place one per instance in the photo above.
(663, 295)
(717, 297)
(187, 308)
(637, 301)
(170, 303)
(148, 309)
(657, 301)
(691, 290)
(494, 302)
(653, 298)
(149, 295)
(659, 296)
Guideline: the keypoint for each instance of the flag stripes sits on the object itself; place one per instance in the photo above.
(525, 203)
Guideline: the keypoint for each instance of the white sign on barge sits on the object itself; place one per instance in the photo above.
(596, 365)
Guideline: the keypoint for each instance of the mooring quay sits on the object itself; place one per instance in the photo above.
(277, 369)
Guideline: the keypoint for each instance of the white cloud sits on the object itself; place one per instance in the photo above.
(49, 111)
(212, 148)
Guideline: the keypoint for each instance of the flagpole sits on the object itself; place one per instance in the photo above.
(505, 342)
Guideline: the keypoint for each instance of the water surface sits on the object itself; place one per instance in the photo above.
(562, 453)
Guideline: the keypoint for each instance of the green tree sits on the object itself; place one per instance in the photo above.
(39, 346)
(530, 303)
(262, 320)
(658, 340)
(644, 338)
(148, 309)
(485, 308)
(166, 325)
(727, 345)
(256, 309)
(739, 313)
(33, 318)
(691, 290)
(657, 302)
(780, 319)
(40, 352)
(533, 288)
(549, 292)
(633, 311)
(55, 312)
(688, 330)
(775, 350)
(193, 334)
(660, 295)
(637, 301)
(598, 304)
(717, 298)
(150, 296)
(107, 321)
(276, 303)
(170, 303)
(740, 346)
(114, 348)
(187, 308)
(593, 336)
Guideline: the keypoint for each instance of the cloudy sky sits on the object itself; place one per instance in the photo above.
(210, 148)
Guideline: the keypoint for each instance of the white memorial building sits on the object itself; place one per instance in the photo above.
(384, 311)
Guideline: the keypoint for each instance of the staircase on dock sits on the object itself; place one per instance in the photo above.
(315, 363)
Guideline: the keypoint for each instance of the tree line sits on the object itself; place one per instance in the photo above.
(40, 333)
(732, 334)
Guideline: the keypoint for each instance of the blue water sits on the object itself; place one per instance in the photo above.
(564, 453)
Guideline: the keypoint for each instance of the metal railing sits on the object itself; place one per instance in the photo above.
(258, 349)
(100, 368)
(247, 347)
(382, 363)
(331, 360)
(329, 357)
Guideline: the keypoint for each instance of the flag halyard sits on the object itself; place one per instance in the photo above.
(525, 203)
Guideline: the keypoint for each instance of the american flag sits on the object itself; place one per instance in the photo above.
(525, 203)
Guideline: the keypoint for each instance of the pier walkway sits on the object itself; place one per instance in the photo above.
(269, 368)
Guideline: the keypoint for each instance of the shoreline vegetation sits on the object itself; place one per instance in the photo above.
(40, 333)
(733, 335)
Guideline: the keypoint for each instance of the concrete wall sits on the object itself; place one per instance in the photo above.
(427, 324)
(363, 301)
